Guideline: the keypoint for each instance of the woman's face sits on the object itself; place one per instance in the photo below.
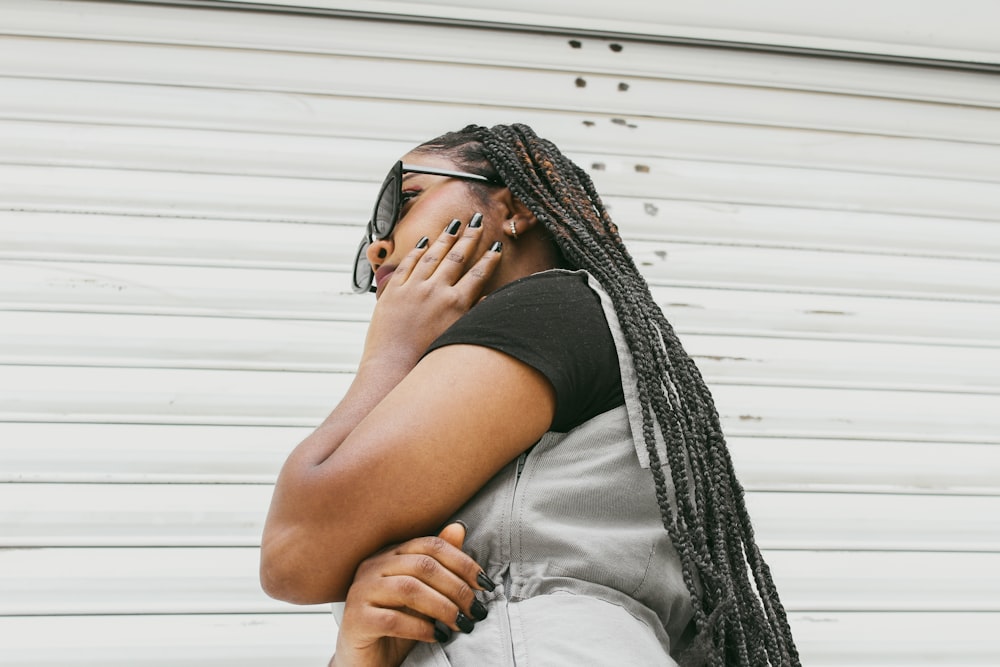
(428, 203)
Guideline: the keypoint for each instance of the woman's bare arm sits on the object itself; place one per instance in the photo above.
(423, 451)
(410, 442)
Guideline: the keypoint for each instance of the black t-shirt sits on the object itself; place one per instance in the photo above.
(553, 322)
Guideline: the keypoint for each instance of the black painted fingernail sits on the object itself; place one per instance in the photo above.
(382, 253)
(453, 226)
(422, 243)
(442, 632)
(497, 246)
(485, 581)
(464, 623)
(476, 222)
(478, 610)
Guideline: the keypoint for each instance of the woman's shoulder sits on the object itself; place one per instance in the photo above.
(554, 322)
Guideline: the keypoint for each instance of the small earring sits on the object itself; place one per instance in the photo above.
(513, 230)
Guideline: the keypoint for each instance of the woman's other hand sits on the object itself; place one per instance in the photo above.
(420, 590)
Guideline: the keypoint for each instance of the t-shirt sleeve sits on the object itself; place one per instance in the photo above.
(554, 323)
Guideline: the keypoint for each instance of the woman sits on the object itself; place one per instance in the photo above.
(518, 377)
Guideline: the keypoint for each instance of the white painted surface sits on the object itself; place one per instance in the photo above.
(952, 31)
(182, 190)
(200, 640)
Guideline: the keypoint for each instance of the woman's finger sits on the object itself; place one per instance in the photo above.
(470, 285)
(438, 252)
(421, 584)
(379, 622)
(449, 556)
(402, 272)
(454, 534)
(415, 596)
(429, 575)
(452, 266)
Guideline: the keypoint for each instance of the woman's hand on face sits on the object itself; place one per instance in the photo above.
(420, 590)
(436, 283)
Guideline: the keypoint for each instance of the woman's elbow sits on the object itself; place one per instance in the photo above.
(298, 579)
(280, 582)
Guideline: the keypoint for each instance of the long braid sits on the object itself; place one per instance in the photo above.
(738, 614)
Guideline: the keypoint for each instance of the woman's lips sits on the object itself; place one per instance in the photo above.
(382, 277)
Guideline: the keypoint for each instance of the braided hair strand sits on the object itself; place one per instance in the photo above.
(737, 612)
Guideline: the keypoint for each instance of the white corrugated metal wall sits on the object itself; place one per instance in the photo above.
(182, 189)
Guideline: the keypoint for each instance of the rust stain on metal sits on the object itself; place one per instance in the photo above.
(581, 82)
(642, 168)
(575, 43)
(622, 86)
(589, 123)
(615, 47)
(750, 418)
(597, 166)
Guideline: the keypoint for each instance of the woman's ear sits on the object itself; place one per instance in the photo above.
(518, 218)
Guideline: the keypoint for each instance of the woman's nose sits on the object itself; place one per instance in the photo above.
(378, 251)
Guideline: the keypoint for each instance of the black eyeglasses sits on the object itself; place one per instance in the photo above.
(386, 214)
